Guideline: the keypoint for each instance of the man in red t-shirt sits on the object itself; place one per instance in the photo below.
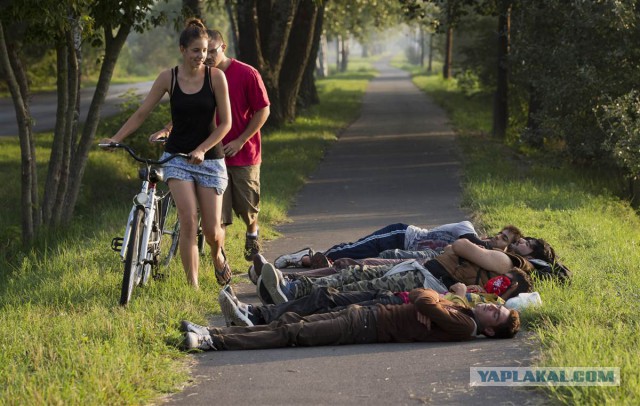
(242, 147)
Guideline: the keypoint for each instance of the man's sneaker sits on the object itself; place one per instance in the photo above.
(189, 327)
(276, 285)
(251, 247)
(195, 341)
(293, 260)
(255, 270)
(319, 260)
(235, 313)
(263, 293)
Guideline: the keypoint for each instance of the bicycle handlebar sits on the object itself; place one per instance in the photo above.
(144, 160)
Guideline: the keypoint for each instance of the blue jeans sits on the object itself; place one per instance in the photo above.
(370, 246)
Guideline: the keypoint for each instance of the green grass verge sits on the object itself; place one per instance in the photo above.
(64, 338)
(593, 322)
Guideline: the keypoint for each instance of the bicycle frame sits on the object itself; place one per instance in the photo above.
(147, 200)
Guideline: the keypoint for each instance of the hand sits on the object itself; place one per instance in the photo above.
(459, 289)
(197, 156)
(424, 320)
(232, 148)
(510, 291)
(155, 137)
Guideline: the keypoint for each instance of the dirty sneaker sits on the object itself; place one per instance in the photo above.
(188, 326)
(293, 260)
(251, 247)
(235, 312)
(276, 284)
(195, 341)
(255, 270)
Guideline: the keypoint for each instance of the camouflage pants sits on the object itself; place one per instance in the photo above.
(363, 278)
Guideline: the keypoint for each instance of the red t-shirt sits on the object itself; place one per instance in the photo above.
(247, 95)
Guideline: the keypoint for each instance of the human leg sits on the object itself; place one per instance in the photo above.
(389, 237)
(184, 195)
(210, 201)
(400, 282)
(320, 300)
(353, 325)
(246, 204)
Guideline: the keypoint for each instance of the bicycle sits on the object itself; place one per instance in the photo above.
(153, 210)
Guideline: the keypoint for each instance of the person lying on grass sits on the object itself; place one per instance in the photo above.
(324, 300)
(462, 261)
(395, 240)
(426, 318)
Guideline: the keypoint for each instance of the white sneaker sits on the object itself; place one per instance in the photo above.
(189, 327)
(195, 341)
(235, 313)
(293, 260)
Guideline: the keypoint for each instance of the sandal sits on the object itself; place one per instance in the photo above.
(224, 276)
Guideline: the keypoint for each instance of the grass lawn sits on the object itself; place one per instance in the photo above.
(64, 338)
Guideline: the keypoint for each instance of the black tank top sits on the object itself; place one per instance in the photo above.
(192, 117)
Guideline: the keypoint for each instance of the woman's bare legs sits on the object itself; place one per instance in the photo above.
(211, 214)
(184, 194)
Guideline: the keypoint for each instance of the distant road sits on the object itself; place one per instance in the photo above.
(43, 107)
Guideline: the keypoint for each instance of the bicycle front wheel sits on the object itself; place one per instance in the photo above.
(133, 257)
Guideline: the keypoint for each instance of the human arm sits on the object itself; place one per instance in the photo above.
(158, 89)
(223, 111)
(491, 260)
(476, 240)
(447, 318)
(255, 124)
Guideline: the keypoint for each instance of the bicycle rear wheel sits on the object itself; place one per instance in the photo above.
(133, 257)
(170, 225)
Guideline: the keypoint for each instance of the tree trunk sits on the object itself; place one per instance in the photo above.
(448, 52)
(113, 46)
(308, 94)
(344, 54)
(338, 53)
(430, 64)
(501, 108)
(228, 5)
(299, 56)
(322, 64)
(422, 47)
(15, 76)
(265, 28)
(57, 148)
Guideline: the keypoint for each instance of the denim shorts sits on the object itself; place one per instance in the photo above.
(210, 173)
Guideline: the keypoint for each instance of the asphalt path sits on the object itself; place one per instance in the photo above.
(43, 107)
(397, 163)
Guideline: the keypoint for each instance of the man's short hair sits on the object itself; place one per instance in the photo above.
(214, 35)
(517, 234)
(509, 328)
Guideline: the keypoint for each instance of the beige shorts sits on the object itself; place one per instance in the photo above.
(242, 195)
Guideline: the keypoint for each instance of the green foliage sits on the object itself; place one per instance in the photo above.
(574, 57)
(64, 338)
(592, 321)
(620, 119)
